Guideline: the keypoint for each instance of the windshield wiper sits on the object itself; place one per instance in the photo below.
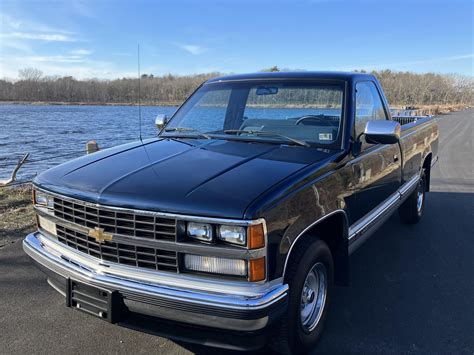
(268, 134)
(187, 129)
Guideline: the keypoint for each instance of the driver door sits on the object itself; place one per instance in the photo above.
(377, 169)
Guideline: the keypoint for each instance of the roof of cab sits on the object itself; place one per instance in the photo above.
(294, 75)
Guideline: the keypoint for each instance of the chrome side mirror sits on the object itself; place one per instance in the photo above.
(160, 121)
(382, 131)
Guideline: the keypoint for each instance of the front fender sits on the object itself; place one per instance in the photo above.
(302, 210)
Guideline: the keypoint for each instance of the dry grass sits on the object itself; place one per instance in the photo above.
(16, 214)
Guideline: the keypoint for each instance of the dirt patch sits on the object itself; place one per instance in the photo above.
(16, 214)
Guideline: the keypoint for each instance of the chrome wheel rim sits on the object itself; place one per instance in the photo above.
(420, 197)
(313, 297)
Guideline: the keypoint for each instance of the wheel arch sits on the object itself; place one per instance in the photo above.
(333, 228)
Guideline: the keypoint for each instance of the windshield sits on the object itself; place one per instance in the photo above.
(270, 111)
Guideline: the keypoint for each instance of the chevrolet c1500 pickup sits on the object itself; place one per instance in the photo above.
(235, 223)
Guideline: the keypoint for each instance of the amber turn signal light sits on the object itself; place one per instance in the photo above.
(257, 269)
(256, 236)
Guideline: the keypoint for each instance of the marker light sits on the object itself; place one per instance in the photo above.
(257, 269)
(256, 236)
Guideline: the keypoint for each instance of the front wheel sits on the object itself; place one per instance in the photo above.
(411, 210)
(310, 277)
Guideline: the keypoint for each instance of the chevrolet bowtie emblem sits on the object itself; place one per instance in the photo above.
(99, 235)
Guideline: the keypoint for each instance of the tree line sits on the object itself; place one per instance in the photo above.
(409, 89)
(401, 88)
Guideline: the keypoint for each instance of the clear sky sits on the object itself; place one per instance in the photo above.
(99, 38)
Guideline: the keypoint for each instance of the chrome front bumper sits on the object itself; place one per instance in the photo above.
(229, 311)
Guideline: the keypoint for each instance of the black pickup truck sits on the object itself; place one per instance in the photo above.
(233, 225)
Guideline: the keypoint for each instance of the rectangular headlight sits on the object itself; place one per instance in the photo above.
(43, 201)
(214, 265)
(232, 234)
(200, 231)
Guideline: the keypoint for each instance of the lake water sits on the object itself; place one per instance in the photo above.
(47, 132)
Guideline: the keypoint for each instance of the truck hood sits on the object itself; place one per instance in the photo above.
(215, 178)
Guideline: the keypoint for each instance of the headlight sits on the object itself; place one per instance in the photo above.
(213, 265)
(251, 236)
(200, 231)
(43, 201)
(233, 234)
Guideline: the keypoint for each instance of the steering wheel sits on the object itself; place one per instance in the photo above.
(312, 117)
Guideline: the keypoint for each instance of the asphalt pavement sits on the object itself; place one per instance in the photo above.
(412, 287)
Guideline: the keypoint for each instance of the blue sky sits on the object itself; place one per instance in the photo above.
(99, 38)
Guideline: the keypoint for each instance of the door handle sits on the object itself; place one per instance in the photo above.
(395, 158)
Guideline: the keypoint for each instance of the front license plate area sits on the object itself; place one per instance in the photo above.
(99, 302)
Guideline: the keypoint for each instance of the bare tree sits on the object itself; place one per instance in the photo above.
(30, 74)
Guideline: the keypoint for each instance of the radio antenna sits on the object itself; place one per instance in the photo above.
(139, 98)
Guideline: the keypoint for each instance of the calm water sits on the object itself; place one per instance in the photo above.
(48, 131)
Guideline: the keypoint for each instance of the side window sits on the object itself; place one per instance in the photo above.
(368, 106)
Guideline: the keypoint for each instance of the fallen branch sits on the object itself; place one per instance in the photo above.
(12, 178)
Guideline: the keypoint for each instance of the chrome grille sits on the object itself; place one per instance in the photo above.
(117, 222)
(121, 253)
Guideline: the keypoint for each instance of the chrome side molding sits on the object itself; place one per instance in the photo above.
(361, 230)
(408, 186)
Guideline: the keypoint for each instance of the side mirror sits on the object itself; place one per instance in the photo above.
(160, 121)
(382, 131)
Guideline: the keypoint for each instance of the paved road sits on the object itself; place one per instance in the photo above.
(412, 286)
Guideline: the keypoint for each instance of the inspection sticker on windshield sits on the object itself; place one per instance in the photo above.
(325, 136)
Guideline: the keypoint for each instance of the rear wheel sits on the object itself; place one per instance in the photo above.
(310, 277)
(411, 210)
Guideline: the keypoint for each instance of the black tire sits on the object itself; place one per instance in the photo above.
(411, 210)
(291, 336)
